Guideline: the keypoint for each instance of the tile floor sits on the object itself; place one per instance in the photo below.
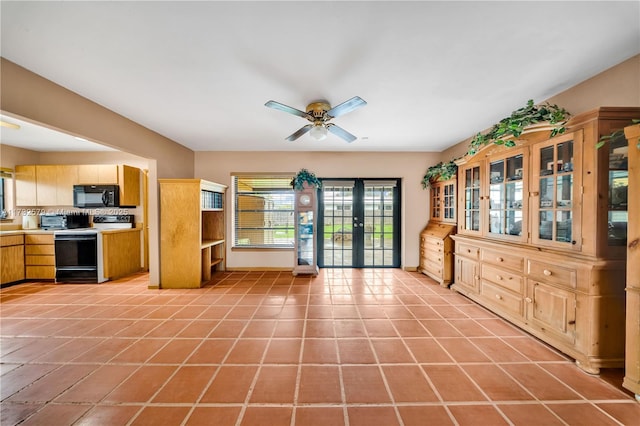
(350, 347)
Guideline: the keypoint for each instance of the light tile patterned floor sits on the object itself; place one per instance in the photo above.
(350, 347)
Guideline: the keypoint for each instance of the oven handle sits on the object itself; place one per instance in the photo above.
(74, 237)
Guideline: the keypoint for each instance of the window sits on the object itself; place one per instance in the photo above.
(263, 211)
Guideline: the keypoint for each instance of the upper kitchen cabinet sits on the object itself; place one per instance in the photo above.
(52, 185)
(126, 177)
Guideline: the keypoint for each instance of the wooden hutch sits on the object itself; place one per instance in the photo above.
(542, 236)
(436, 245)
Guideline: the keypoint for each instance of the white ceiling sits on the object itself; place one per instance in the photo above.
(433, 73)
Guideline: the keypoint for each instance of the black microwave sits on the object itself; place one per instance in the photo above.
(96, 196)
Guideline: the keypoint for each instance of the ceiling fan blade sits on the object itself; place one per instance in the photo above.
(347, 106)
(301, 131)
(290, 110)
(340, 132)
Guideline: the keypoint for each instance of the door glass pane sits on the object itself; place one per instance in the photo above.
(506, 196)
(472, 199)
(546, 193)
(546, 225)
(514, 197)
(378, 223)
(337, 241)
(564, 191)
(618, 191)
(563, 226)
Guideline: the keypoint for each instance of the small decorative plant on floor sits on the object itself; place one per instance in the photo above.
(518, 121)
(439, 172)
(305, 176)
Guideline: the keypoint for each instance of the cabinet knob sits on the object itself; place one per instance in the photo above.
(547, 272)
(476, 277)
(499, 277)
(498, 297)
(499, 259)
(528, 299)
(468, 250)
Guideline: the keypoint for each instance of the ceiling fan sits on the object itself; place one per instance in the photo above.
(319, 113)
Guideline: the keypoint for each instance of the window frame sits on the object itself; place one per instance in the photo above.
(286, 188)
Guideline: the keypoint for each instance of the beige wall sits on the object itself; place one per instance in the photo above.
(218, 166)
(617, 86)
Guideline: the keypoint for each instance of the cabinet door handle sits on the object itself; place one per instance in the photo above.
(534, 194)
(476, 277)
(528, 299)
(547, 272)
(499, 259)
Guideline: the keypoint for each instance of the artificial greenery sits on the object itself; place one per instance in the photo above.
(518, 121)
(305, 176)
(606, 138)
(439, 172)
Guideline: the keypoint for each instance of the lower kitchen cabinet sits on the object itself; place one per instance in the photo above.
(121, 252)
(11, 258)
(39, 258)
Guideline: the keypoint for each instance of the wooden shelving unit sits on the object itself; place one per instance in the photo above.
(192, 232)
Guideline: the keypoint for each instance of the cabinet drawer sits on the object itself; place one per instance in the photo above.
(11, 240)
(38, 239)
(40, 260)
(433, 267)
(40, 272)
(503, 278)
(467, 250)
(39, 249)
(433, 244)
(497, 295)
(503, 259)
(548, 272)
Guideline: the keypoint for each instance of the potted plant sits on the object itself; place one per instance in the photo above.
(303, 177)
(518, 122)
(439, 172)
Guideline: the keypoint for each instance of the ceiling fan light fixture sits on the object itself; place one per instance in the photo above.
(318, 132)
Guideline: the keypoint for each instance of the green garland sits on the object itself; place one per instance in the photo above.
(439, 172)
(518, 121)
(606, 138)
(305, 176)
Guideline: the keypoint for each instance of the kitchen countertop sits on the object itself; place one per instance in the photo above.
(51, 231)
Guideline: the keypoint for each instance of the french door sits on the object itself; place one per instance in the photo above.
(359, 223)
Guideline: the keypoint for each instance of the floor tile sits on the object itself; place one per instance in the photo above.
(98, 384)
(231, 384)
(469, 415)
(391, 351)
(581, 414)
(247, 351)
(320, 351)
(267, 416)
(224, 416)
(530, 415)
(283, 351)
(421, 415)
(372, 416)
(495, 383)
(356, 351)
(211, 351)
(141, 385)
(275, 385)
(364, 384)
(408, 384)
(319, 416)
(161, 416)
(64, 414)
(320, 384)
(452, 384)
(53, 384)
(186, 385)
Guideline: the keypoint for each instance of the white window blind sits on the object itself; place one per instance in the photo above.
(263, 211)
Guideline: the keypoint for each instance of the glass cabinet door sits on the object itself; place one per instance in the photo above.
(507, 204)
(618, 181)
(556, 187)
(470, 199)
(449, 202)
(435, 202)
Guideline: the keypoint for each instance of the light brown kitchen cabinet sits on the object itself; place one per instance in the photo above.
(121, 252)
(436, 245)
(103, 174)
(52, 185)
(39, 256)
(632, 355)
(542, 236)
(26, 186)
(11, 258)
(192, 232)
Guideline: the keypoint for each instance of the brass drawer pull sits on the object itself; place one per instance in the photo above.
(499, 259)
(499, 277)
(528, 299)
(498, 297)
(547, 272)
